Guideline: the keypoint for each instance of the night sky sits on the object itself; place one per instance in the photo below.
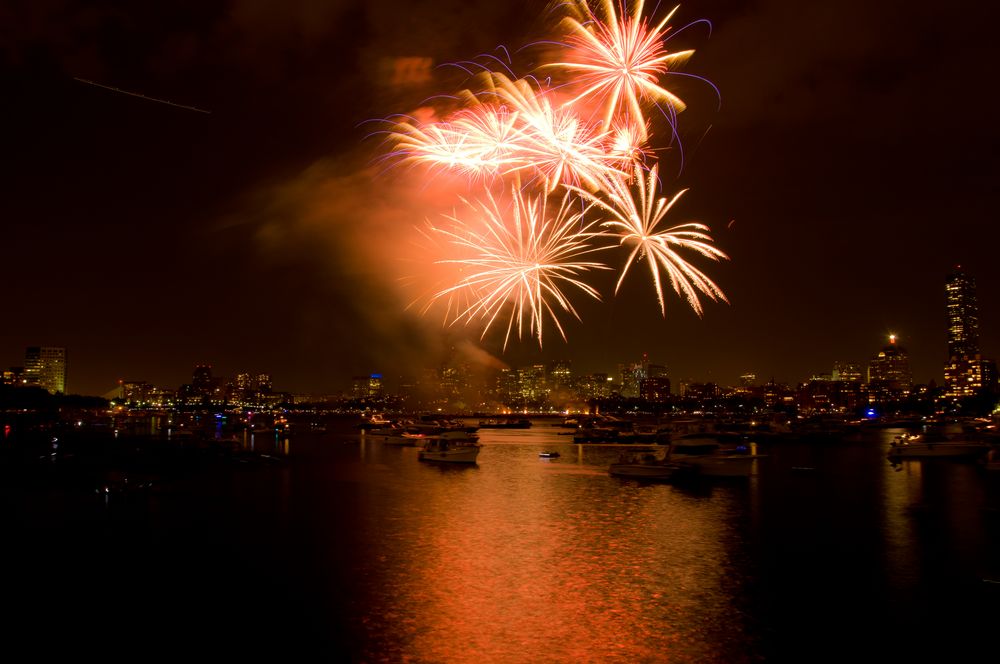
(852, 162)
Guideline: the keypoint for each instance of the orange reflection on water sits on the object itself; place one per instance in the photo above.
(512, 566)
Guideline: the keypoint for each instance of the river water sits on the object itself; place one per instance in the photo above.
(352, 550)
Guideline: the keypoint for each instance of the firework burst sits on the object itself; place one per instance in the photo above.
(620, 61)
(635, 215)
(557, 145)
(518, 258)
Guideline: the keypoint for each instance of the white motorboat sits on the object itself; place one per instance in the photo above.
(910, 446)
(713, 455)
(450, 447)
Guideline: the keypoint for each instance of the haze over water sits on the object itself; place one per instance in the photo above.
(354, 550)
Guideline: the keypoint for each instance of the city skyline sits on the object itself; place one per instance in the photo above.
(173, 236)
(616, 371)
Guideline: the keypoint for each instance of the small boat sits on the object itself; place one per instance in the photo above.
(450, 447)
(548, 455)
(910, 446)
(714, 455)
(505, 423)
(646, 467)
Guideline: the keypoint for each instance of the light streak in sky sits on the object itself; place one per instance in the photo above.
(142, 96)
(524, 138)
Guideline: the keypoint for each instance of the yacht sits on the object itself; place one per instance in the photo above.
(645, 467)
(450, 447)
(916, 446)
(714, 455)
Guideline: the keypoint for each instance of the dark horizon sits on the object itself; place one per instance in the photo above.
(850, 166)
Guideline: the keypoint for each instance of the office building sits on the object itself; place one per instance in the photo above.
(966, 373)
(45, 366)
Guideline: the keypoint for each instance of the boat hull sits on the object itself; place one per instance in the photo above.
(644, 471)
(718, 466)
(938, 450)
(463, 454)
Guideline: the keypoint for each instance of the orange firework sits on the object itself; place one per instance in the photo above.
(516, 259)
(555, 142)
(512, 258)
(619, 61)
(635, 216)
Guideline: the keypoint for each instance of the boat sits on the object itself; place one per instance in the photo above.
(397, 433)
(916, 446)
(431, 425)
(404, 439)
(645, 467)
(450, 447)
(373, 421)
(992, 460)
(504, 423)
(713, 455)
(548, 455)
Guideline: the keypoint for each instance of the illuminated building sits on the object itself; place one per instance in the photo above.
(845, 371)
(560, 374)
(967, 377)
(656, 371)
(889, 375)
(201, 380)
(655, 389)
(13, 376)
(136, 392)
(963, 315)
(367, 387)
(594, 386)
(532, 384)
(966, 373)
(631, 375)
(45, 366)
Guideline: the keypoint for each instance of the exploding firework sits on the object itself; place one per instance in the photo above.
(636, 214)
(557, 145)
(517, 258)
(512, 129)
(619, 61)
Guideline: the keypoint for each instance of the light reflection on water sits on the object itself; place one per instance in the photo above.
(551, 560)
(336, 547)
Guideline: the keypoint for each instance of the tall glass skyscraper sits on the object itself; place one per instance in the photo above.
(963, 315)
(966, 373)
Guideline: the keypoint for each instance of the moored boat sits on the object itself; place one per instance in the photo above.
(917, 447)
(714, 455)
(659, 470)
(450, 447)
(505, 423)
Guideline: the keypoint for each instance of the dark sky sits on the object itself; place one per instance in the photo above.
(852, 162)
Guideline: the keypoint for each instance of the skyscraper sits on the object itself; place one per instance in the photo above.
(963, 315)
(966, 373)
(889, 372)
(45, 366)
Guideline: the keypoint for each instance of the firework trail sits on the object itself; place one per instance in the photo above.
(516, 261)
